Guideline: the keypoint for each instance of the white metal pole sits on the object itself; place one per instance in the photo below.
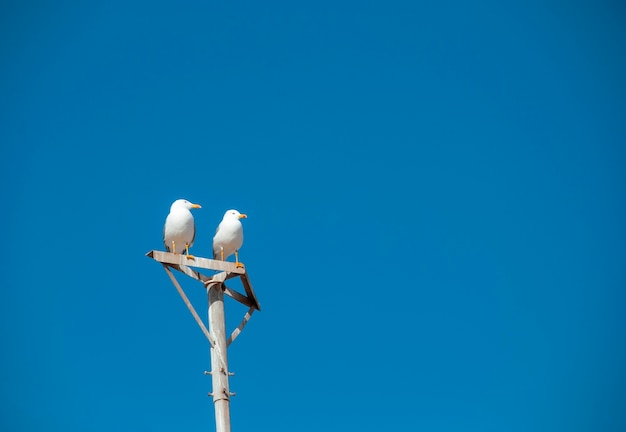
(219, 358)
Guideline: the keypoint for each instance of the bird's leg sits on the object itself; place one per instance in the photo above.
(188, 256)
(237, 263)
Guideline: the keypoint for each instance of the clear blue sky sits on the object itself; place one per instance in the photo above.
(436, 201)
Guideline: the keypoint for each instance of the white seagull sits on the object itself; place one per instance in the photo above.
(229, 237)
(180, 228)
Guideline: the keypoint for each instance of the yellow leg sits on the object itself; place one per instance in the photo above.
(188, 256)
(237, 263)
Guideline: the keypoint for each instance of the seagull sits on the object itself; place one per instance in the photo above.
(180, 227)
(229, 237)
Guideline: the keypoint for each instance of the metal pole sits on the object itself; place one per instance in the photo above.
(219, 359)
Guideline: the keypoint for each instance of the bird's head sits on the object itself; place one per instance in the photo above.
(234, 214)
(184, 204)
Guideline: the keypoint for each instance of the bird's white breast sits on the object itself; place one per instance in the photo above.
(229, 236)
(179, 226)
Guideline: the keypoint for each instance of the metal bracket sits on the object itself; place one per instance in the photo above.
(227, 394)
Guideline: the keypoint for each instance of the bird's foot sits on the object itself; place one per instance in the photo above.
(187, 252)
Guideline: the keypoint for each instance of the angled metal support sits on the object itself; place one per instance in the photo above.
(239, 328)
(189, 305)
(226, 270)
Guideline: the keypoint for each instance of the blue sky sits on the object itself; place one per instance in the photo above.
(435, 195)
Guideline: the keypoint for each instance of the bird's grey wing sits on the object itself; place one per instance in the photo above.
(167, 248)
(216, 230)
(213, 245)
